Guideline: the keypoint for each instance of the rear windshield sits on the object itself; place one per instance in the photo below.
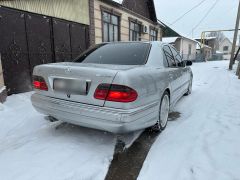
(117, 54)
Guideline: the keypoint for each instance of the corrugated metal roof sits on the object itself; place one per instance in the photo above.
(169, 39)
(72, 10)
(118, 1)
(173, 39)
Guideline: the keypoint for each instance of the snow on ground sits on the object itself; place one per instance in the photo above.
(204, 144)
(33, 148)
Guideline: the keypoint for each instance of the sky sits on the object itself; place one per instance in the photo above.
(222, 16)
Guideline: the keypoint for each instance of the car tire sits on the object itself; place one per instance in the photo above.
(189, 91)
(163, 113)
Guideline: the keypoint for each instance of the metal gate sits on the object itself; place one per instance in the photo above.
(62, 42)
(38, 30)
(14, 51)
(78, 44)
(28, 39)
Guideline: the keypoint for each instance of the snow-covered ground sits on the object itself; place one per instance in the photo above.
(204, 144)
(33, 148)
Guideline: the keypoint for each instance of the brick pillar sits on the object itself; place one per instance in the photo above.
(3, 91)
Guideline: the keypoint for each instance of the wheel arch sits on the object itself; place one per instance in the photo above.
(169, 93)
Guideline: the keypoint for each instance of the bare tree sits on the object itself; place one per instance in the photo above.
(219, 35)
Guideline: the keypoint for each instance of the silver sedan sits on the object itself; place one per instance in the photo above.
(116, 87)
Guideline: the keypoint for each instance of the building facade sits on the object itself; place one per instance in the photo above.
(123, 21)
(225, 46)
(204, 53)
(47, 31)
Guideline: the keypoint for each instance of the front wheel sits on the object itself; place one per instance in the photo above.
(163, 113)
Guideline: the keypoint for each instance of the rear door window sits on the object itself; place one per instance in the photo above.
(177, 57)
(169, 56)
(117, 54)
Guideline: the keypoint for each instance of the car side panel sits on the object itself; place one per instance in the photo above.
(149, 82)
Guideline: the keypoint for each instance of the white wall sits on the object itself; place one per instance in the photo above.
(182, 45)
(224, 43)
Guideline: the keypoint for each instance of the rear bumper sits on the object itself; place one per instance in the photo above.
(102, 118)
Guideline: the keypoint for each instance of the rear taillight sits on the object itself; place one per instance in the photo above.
(39, 83)
(115, 93)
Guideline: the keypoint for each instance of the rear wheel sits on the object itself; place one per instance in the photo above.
(163, 113)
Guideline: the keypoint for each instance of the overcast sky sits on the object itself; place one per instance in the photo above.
(223, 16)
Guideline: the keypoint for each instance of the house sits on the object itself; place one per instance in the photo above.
(220, 49)
(186, 46)
(225, 46)
(203, 52)
(40, 31)
(211, 42)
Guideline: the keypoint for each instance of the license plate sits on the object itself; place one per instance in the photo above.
(70, 86)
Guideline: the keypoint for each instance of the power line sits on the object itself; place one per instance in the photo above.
(182, 16)
(206, 15)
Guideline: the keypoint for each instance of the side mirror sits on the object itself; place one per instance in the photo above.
(188, 63)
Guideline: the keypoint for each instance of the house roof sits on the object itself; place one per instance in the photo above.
(128, 4)
(204, 45)
(169, 39)
(173, 39)
(118, 1)
(206, 38)
(226, 39)
(168, 31)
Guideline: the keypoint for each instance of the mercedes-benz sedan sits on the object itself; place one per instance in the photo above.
(116, 87)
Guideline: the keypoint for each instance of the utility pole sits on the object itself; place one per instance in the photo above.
(235, 38)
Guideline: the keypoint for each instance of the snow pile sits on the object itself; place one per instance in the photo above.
(33, 148)
(204, 143)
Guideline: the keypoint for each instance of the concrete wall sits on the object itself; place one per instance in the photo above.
(124, 23)
(72, 10)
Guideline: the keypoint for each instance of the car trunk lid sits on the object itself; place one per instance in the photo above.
(85, 76)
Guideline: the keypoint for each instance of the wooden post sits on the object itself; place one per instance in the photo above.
(235, 39)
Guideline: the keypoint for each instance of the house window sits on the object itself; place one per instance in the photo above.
(110, 27)
(225, 48)
(153, 35)
(135, 31)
